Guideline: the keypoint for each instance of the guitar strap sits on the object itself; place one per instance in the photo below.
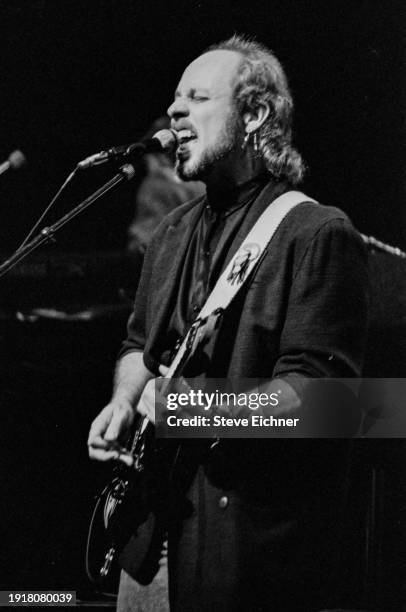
(247, 258)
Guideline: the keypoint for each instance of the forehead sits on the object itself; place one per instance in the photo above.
(214, 71)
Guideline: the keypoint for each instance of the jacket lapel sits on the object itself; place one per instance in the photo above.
(175, 243)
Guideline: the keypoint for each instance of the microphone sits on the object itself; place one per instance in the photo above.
(15, 160)
(164, 140)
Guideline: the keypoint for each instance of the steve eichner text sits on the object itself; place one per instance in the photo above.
(208, 400)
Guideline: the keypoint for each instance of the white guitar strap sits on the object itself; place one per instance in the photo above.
(245, 260)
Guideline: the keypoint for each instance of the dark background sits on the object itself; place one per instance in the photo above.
(79, 76)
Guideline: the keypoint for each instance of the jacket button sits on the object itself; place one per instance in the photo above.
(223, 502)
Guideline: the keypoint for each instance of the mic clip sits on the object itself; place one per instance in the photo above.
(115, 154)
(164, 140)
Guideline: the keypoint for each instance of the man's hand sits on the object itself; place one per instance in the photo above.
(108, 430)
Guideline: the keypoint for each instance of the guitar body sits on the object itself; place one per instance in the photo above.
(107, 535)
(132, 510)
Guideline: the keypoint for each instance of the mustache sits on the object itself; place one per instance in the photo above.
(182, 125)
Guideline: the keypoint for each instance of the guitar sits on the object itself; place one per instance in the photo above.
(128, 499)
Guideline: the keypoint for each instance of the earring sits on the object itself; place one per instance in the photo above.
(256, 142)
(245, 141)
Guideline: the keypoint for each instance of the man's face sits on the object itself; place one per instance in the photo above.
(204, 114)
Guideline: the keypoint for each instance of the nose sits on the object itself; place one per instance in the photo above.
(178, 108)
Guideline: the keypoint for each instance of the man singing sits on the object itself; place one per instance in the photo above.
(261, 515)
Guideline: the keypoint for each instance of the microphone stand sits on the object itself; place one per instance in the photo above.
(126, 173)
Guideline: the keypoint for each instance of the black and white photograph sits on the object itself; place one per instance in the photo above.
(203, 305)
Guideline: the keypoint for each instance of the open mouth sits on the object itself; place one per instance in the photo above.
(185, 136)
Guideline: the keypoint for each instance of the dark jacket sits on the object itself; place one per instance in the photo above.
(303, 311)
(258, 530)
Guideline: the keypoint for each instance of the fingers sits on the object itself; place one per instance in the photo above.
(96, 442)
(108, 451)
(125, 457)
(116, 427)
(102, 455)
(113, 421)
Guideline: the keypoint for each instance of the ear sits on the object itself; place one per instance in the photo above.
(253, 119)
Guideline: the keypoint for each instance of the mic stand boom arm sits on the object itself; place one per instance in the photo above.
(126, 173)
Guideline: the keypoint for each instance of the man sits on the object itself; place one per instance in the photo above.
(257, 535)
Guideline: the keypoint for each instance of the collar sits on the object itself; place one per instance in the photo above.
(231, 199)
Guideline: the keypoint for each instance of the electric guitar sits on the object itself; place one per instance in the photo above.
(133, 493)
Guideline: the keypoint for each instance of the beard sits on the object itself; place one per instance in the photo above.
(227, 141)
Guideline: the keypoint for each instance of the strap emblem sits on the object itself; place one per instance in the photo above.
(242, 262)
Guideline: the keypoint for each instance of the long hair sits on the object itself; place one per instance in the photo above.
(261, 78)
